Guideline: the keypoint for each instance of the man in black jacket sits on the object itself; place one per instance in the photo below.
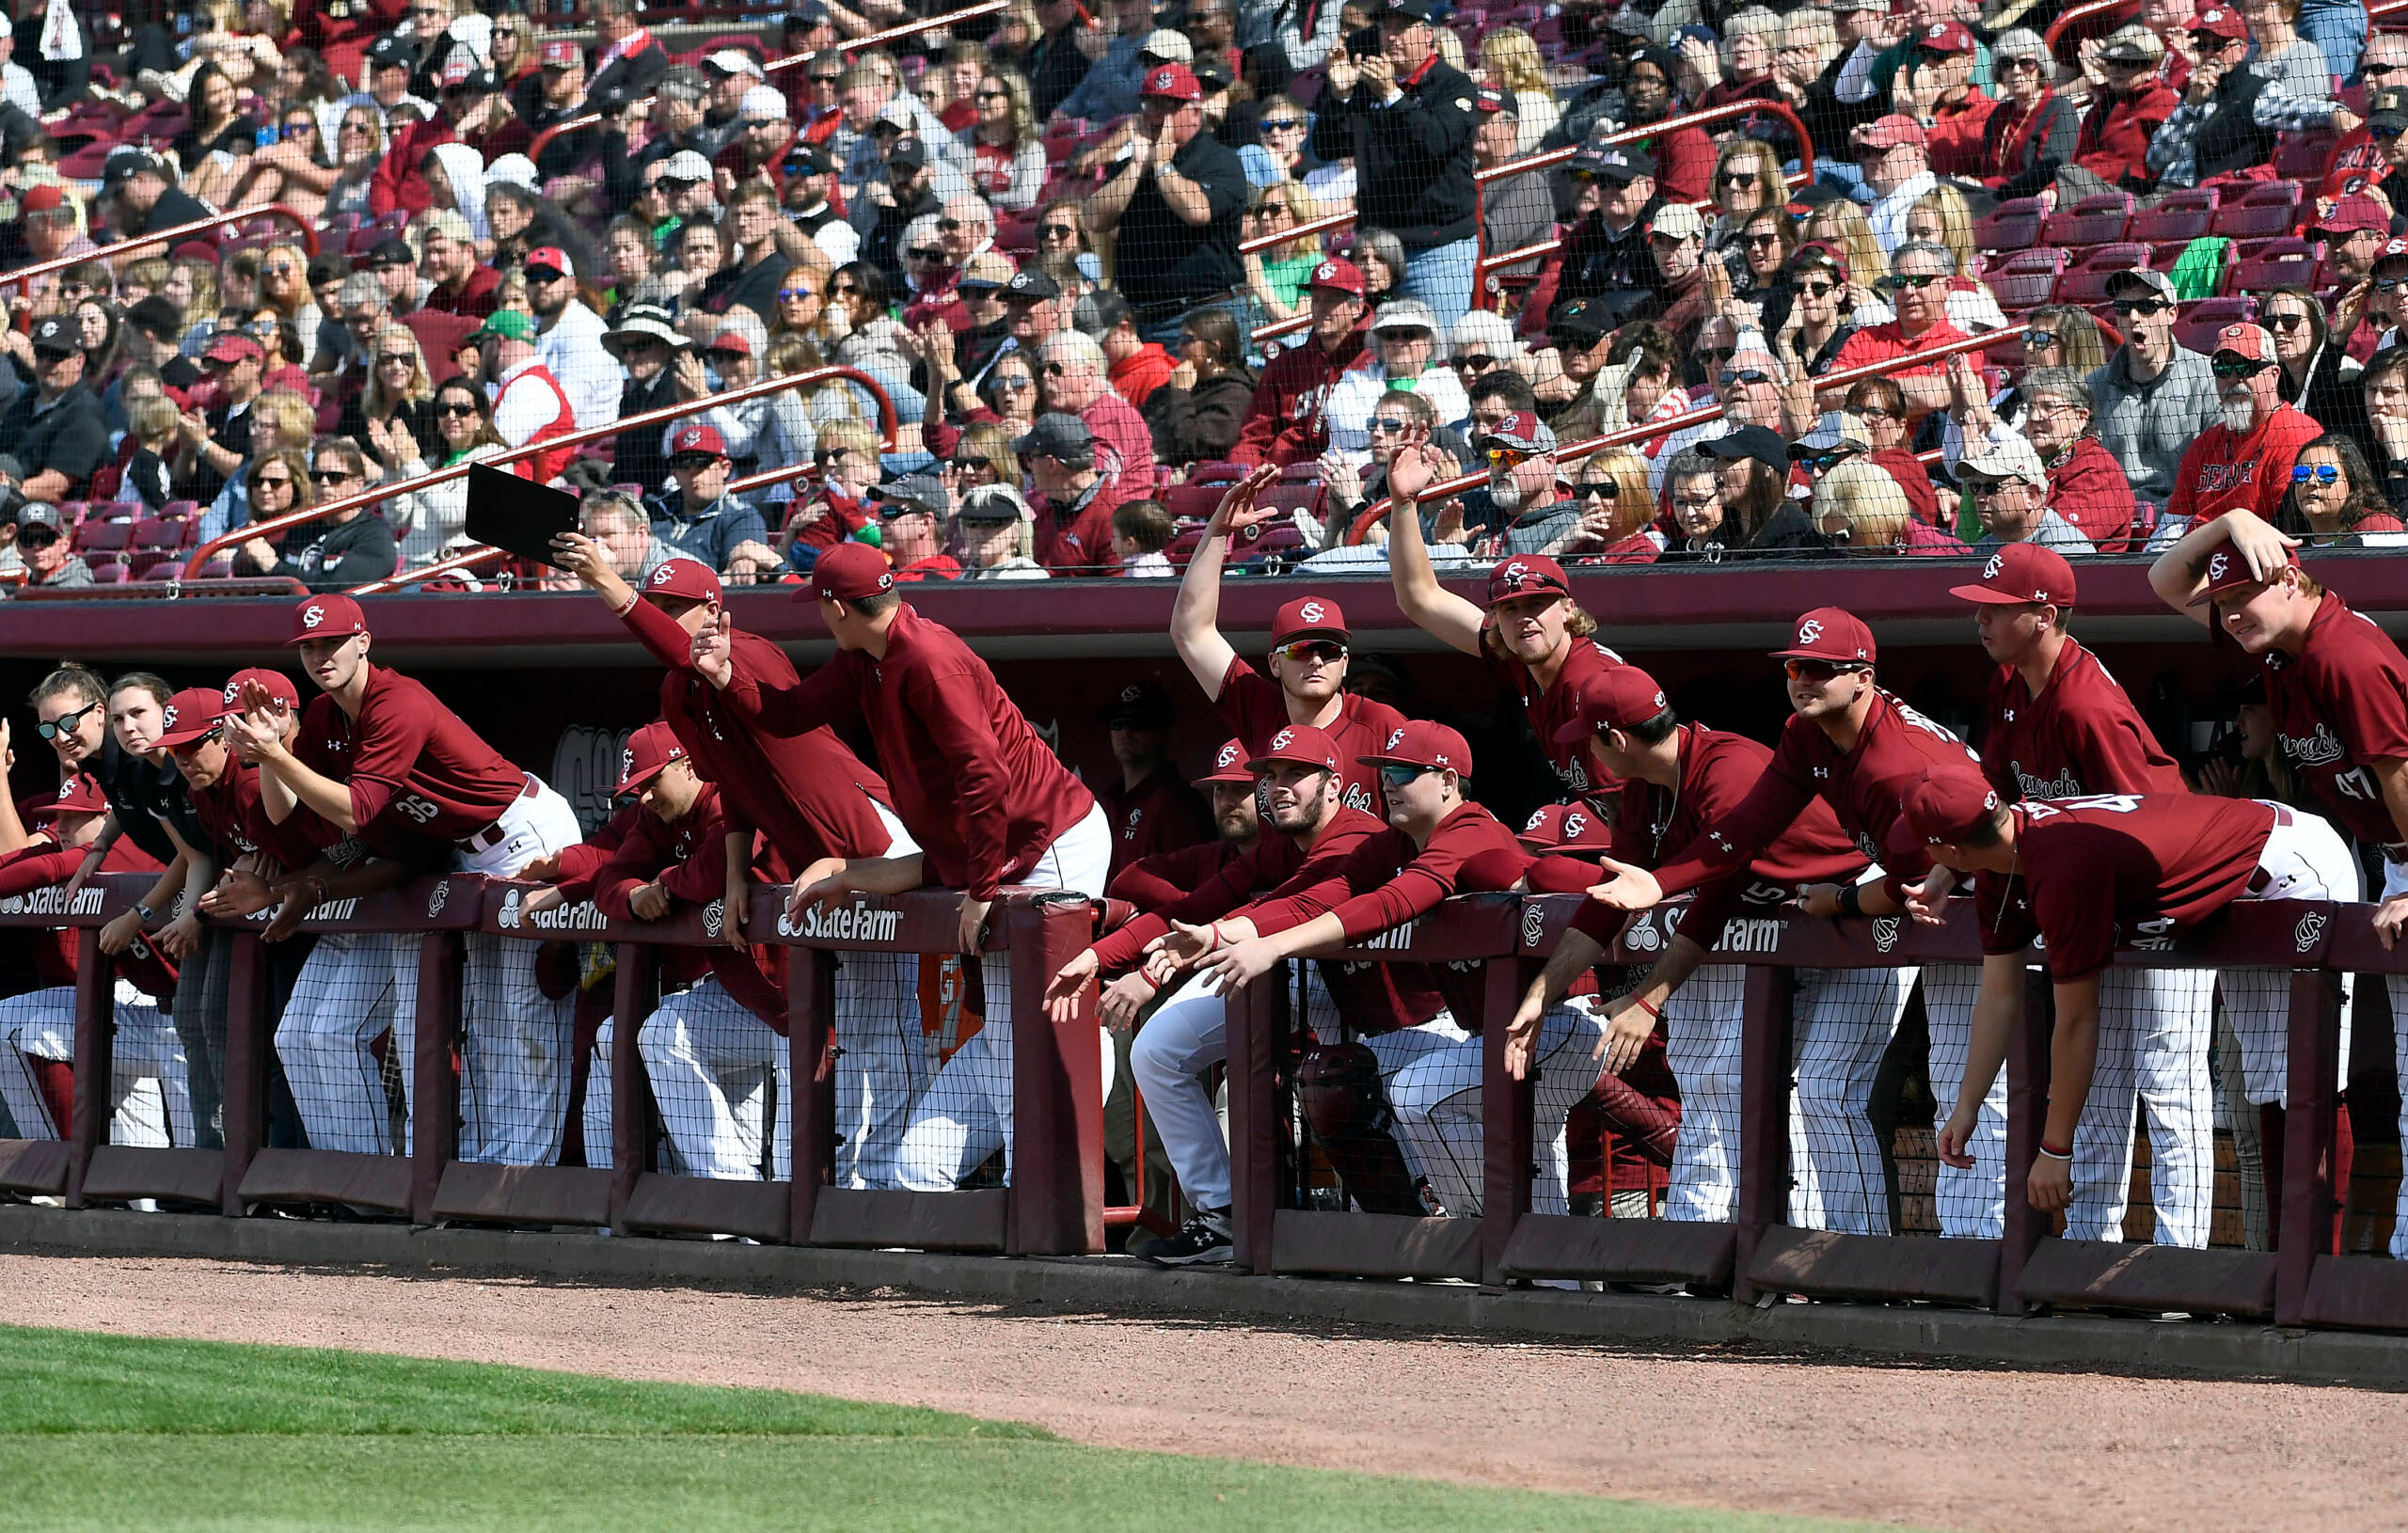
(348, 548)
(1407, 117)
(1605, 253)
(1174, 205)
(57, 429)
(2231, 115)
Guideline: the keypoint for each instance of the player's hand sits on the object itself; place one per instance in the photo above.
(542, 869)
(711, 653)
(1183, 944)
(1928, 901)
(581, 557)
(299, 903)
(92, 864)
(8, 751)
(120, 934)
(1627, 1033)
(1522, 1033)
(1819, 900)
(1240, 509)
(972, 928)
(1243, 964)
(2267, 550)
(539, 900)
(1343, 71)
(239, 893)
(1069, 982)
(1414, 468)
(2389, 918)
(1123, 1000)
(733, 904)
(2050, 1184)
(649, 901)
(816, 884)
(1627, 888)
(1956, 1134)
(179, 937)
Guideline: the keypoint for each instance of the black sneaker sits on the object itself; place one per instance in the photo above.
(1205, 1241)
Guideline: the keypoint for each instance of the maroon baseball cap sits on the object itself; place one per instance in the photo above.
(1308, 616)
(234, 346)
(1173, 82)
(189, 715)
(690, 579)
(1827, 633)
(560, 54)
(1299, 745)
(79, 795)
(1527, 575)
(1945, 38)
(1338, 275)
(1567, 826)
(648, 752)
(1954, 804)
(327, 617)
(1228, 764)
(2222, 22)
(2227, 570)
(2353, 212)
(849, 572)
(1615, 699)
(1821, 253)
(697, 439)
(2021, 573)
(1422, 742)
(277, 684)
(42, 199)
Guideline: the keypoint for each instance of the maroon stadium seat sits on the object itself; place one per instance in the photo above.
(2276, 263)
(2025, 280)
(2270, 207)
(2094, 220)
(2013, 226)
(2086, 283)
(2195, 324)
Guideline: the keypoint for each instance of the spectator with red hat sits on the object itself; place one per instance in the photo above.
(2243, 462)
(2354, 235)
(1290, 422)
(702, 518)
(1894, 153)
(571, 337)
(1936, 89)
(1174, 207)
(2130, 101)
(2230, 114)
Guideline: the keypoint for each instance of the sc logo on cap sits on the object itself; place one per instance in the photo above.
(312, 615)
(1279, 742)
(1809, 630)
(168, 718)
(661, 575)
(1228, 756)
(1161, 79)
(2217, 565)
(627, 762)
(1326, 270)
(1396, 737)
(1574, 824)
(1515, 574)
(1311, 611)
(1990, 571)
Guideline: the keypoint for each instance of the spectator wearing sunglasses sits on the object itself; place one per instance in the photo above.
(2242, 461)
(2033, 132)
(2086, 486)
(1607, 251)
(2384, 70)
(2154, 396)
(1749, 387)
(2009, 487)
(1075, 497)
(349, 547)
(1403, 337)
(1918, 284)
(43, 546)
(2317, 376)
(2336, 500)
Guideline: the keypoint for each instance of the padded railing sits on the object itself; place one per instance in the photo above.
(169, 236)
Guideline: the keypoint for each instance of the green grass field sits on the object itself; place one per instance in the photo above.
(101, 1431)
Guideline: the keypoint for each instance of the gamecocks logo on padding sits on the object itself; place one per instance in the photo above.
(2309, 931)
(1808, 631)
(713, 917)
(312, 615)
(1533, 926)
(1885, 933)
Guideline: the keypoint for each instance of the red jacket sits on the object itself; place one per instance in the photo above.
(2114, 145)
(1957, 132)
(1287, 421)
(1116, 423)
(397, 186)
(1135, 376)
(1078, 540)
(2087, 487)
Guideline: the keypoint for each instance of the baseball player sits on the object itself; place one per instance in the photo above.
(985, 800)
(1307, 663)
(1438, 844)
(379, 757)
(716, 1053)
(2338, 690)
(1533, 638)
(1856, 748)
(2082, 876)
(1312, 828)
(1150, 807)
(813, 798)
(149, 1099)
(1151, 883)
(1678, 779)
(2060, 727)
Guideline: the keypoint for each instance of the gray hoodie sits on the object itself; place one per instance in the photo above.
(2149, 426)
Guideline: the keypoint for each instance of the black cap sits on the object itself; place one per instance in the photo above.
(2387, 108)
(1758, 442)
(328, 268)
(1031, 286)
(1616, 164)
(806, 16)
(1065, 438)
(1581, 318)
(808, 160)
(1140, 705)
(390, 49)
(393, 251)
(911, 493)
(612, 99)
(1647, 53)
(157, 316)
(1212, 74)
(1411, 10)
(129, 160)
(909, 153)
(57, 337)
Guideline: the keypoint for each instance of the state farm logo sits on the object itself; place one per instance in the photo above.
(312, 615)
(1808, 631)
(1643, 937)
(2309, 931)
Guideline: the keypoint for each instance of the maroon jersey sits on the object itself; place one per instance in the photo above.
(807, 791)
(1552, 707)
(2121, 870)
(2081, 735)
(1152, 882)
(231, 811)
(2340, 704)
(1275, 868)
(416, 772)
(1160, 815)
(59, 949)
(580, 862)
(1863, 787)
(1718, 772)
(977, 788)
(1255, 709)
(690, 858)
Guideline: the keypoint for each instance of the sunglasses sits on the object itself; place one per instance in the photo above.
(2035, 338)
(1820, 461)
(282, 268)
(1760, 242)
(1731, 178)
(353, 127)
(2293, 321)
(1058, 231)
(330, 476)
(990, 95)
(825, 79)
(1474, 363)
(1818, 289)
(1056, 370)
(926, 252)
(2020, 65)
(2143, 308)
(455, 409)
(724, 355)
(1507, 457)
(1381, 427)
(1817, 671)
(1281, 124)
(691, 460)
(2387, 132)
(281, 481)
(1403, 335)
(66, 723)
(1915, 282)
(1402, 776)
(1311, 652)
(1745, 375)
(2324, 473)
(293, 129)
(788, 296)
(2237, 368)
(1604, 489)
(42, 537)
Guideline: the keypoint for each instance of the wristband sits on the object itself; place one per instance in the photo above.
(1852, 899)
(2051, 1152)
(1642, 1003)
(622, 609)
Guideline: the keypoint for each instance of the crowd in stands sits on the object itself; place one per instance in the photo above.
(1085, 271)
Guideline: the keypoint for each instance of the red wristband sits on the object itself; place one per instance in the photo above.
(2055, 1154)
(1641, 1003)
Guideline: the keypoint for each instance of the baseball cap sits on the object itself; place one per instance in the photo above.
(1423, 742)
(79, 795)
(2387, 108)
(1578, 319)
(1308, 616)
(2245, 341)
(1622, 166)
(190, 715)
(390, 51)
(332, 616)
(2220, 22)
(1228, 764)
(232, 347)
(461, 72)
(1405, 314)
(509, 323)
(1554, 826)
(2353, 212)
(1212, 75)
(733, 339)
(2156, 283)
(1299, 745)
(549, 257)
(1172, 81)
(1837, 428)
(560, 54)
(1677, 221)
(277, 685)
(1169, 46)
(1337, 274)
(734, 61)
(1140, 705)
(687, 166)
(1494, 102)
(1758, 442)
(1821, 253)
(59, 338)
(647, 754)
(391, 251)
(909, 153)
(688, 580)
(805, 159)
(697, 441)
(1405, 10)
(990, 270)
(1888, 132)
(1527, 575)
(1953, 804)
(1030, 286)
(848, 573)
(1828, 633)
(1945, 38)
(2134, 44)
(1062, 437)
(1616, 699)
(2009, 457)
(1520, 430)
(2021, 573)
(2228, 571)
(762, 103)
(2393, 249)
(42, 199)
(911, 493)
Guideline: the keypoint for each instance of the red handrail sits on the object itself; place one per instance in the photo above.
(874, 39)
(169, 237)
(661, 416)
(2099, 7)
(1628, 434)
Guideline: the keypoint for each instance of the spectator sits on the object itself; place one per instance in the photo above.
(2242, 461)
(1943, 217)
(1288, 419)
(701, 519)
(2279, 53)
(1112, 84)
(1060, 61)
(616, 520)
(2229, 117)
(910, 515)
(2317, 376)
(1407, 117)
(2009, 488)
(1282, 153)
(394, 411)
(2336, 500)
(1918, 284)
(59, 424)
(345, 549)
(1936, 89)
(2128, 105)
(571, 340)
(148, 202)
(1200, 409)
(1519, 456)
(630, 58)
(759, 148)
(151, 424)
(529, 404)
(1693, 491)
(1809, 340)
(1679, 300)
(2064, 336)
(870, 337)
(1006, 148)
(1892, 153)
(1761, 274)
(2387, 118)
(1141, 531)
(49, 563)
(213, 445)
(887, 207)
(997, 531)
(1880, 407)
(1860, 508)
(1136, 367)
(1754, 472)
(1746, 181)
(1683, 157)
(2086, 486)
(1573, 395)
(645, 342)
(1404, 335)
(765, 432)
(1276, 278)
(1617, 511)
(1515, 211)
(1174, 209)
(1605, 252)
(1749, 385)
(810, 181)
(1075, 497)
(1074, 383)
(1511, 65)
(2354, 234)
(2384, 383)
(2154, 396)
(2033, 133)
(216, 144)
(463, 284)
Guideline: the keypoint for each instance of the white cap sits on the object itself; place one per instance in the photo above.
(687, 165)
(737, 61)
(763, 103)
(1837, 428)
(2007, 457)
(1168, 46)
(515, 168)
(1677, 221)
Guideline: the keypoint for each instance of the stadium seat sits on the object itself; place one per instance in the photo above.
(2195, 324)
(2276, 263)
(2086, 283)
(108, 571)
(2026, 278)
(2012, 226)
(2305, 157)
(2181, 217)
(1193, 501)
(2094, 220)
(2267, 207)
(152, 533)
(100, 537)
(142, 564)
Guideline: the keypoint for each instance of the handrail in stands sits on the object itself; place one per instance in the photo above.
(667, 412)
(169, 236)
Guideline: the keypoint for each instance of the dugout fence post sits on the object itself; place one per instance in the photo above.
(246, 1047)
(2351, 1292)
(1507, 1108)
(434, 1116)
(1058, 1087)
(2024, 1227)
(1764, 1118)
(2311, 1203)
(1257, 1043)
(95, 1042)
(634, 994)
(811, 1003)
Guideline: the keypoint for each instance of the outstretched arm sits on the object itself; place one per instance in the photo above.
(1995, 1007)
(1195, 620)
(1431, 605)
(2180, 573)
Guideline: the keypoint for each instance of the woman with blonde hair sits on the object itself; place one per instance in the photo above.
(996, 534)
(358, 150)
(983, 455)
(1016, 35)
(284, 287)
(1842, 226)
(1509, 61)
(191, 287)
(1942, 217)
(393, 416)
(1276, 278)
(1008, 150)
(1746, 181)
(1616, 508)
(280, 420)
(1861, 507)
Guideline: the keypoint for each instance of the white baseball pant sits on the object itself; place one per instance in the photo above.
(1842, 1020)
(600, 1153)
(149, 1095)
(882, 1065)
(722, 1079)
(513, 1038)
(1969, 1203)
(352, 988)
(2304, 858)
(1703, 1021)
(1438, 1097)
(966, 1112)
